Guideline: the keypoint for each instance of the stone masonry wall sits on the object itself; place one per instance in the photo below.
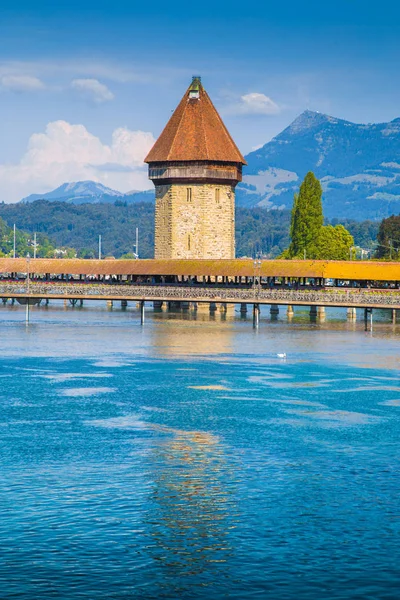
(196, 224)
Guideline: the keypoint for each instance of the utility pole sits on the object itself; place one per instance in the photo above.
(390, 249)
(136, 253)
(99, 247)
(14, 241)
(27, 300)
(34, 245)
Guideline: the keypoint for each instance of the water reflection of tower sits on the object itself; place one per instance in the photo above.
(179, 336)
(192, 514)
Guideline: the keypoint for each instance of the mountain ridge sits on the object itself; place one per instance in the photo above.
(358, 164)
(89, 192)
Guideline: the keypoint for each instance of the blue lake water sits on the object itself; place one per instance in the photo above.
(185, 460)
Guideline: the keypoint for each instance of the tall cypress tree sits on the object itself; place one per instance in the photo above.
(307, 218)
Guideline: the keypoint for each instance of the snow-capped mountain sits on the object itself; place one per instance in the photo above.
(359, 166)
(76, 192)
(90, 192)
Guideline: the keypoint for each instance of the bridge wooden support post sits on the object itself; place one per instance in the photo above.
(4, 300)
(313, 313)
(194, 306)
(243, 309)
(256, 315)
(223, 307)
(368, 311)
(27, 311)
(80, 302)
(393, 315)
(185, 305)
(12, 301)
(157, 305)
(213, 307)
(174, 305)
(290, 311)
(124, 303)
(274, 311)
(48, 301)
(142, 312)
(351, 313)
(110, 304)
(321, 313)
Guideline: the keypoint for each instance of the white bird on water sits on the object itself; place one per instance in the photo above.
(282, 355)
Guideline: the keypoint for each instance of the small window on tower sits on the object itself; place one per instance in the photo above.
(189, 240)
(217, 195)
(189, 194)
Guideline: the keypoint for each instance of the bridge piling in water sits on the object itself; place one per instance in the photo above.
(393, 315)
(351, 313)
(256, 315)
(368, 311)
(142, 312)
(289, 311)
(274, 311)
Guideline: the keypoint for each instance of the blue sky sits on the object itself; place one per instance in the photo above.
(86, 86)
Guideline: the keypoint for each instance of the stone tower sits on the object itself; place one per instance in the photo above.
(195, 166)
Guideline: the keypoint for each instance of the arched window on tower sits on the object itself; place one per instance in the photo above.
(217, 195)
(189, 194)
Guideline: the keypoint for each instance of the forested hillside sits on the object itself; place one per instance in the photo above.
(79, 226)
(25, 244)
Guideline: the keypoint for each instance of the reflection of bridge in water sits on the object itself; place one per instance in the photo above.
(186, 283)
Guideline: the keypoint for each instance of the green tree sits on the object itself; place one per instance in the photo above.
(389, 238)
(293, 214)
(334, 243)
(307, 218)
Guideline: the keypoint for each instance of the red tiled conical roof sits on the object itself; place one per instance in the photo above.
(195, 132)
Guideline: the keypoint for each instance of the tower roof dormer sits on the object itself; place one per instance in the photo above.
(195, 132)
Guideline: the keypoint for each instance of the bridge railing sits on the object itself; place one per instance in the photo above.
(322, 297)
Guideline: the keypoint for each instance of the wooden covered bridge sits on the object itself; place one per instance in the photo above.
(351, 284)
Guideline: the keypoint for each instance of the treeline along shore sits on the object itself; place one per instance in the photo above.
(258, 231)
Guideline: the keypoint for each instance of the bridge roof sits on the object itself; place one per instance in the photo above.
(345, 270)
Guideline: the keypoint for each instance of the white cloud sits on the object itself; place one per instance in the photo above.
(21, 83)
(93, 90)
(253, 104)
(66, 152)
(258, 104)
